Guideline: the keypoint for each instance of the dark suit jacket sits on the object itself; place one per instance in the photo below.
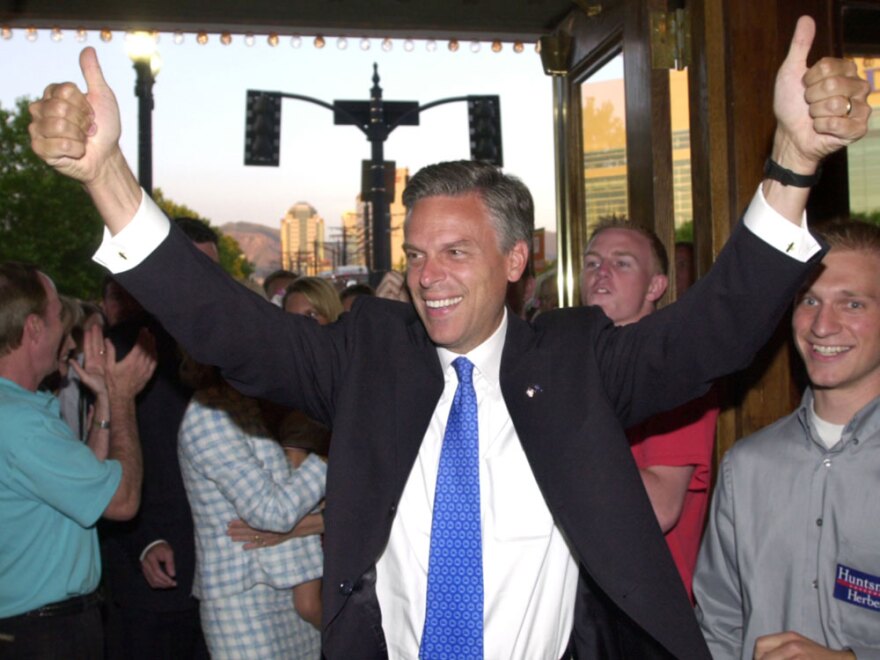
(375, 378)
(164, 512)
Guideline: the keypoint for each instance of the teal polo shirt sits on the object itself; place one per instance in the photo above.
(52, 491)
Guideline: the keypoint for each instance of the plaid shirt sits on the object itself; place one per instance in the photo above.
(232, 469)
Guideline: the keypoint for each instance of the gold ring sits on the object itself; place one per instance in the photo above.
(848, 107)
(256, 539)
(101, 352)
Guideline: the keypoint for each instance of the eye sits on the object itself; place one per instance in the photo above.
(591, 264)
(855, 304)
(621, 263)
(808, 301)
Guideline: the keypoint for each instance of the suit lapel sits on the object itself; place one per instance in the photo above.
(417, 390)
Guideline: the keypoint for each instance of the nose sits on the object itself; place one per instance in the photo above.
(825, 322)
(603, 270)
(431, 272)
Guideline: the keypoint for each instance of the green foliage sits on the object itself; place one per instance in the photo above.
(867, 216)
(45, 218)
(232, 259)
(684, 233)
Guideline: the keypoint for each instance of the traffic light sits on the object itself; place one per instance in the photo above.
(484, 121)
(262, 131)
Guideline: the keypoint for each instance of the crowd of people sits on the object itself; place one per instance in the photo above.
(423, 471)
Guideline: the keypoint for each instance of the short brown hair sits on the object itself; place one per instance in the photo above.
(851, 235)
(21, 294)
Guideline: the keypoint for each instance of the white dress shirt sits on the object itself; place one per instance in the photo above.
(529, 573)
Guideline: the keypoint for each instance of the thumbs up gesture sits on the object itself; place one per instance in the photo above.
(818, 109)
(76, 132)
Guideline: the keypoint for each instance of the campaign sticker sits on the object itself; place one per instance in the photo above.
(857, 588)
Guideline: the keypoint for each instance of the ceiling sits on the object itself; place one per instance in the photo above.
(484, 20)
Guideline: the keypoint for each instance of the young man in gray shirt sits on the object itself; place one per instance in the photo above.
(790, 562)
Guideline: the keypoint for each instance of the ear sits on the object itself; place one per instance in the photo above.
(33, 328)
(657, 287)
(517, 259)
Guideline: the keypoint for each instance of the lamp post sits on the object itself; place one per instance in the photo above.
(376, 119)
(141, 49)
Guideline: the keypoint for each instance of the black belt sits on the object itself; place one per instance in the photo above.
(74, 605)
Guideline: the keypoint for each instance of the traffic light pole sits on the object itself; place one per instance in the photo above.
(376, 119)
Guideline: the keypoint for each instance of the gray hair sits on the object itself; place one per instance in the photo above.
(506, 197)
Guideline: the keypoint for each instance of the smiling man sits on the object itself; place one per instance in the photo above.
(475, 456)
(790, 565)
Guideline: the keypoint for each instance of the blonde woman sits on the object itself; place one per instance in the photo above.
(313, 297)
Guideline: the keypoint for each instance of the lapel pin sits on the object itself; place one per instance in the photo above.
(532, 390)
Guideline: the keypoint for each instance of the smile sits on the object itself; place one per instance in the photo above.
(830, 350)
(444, 302)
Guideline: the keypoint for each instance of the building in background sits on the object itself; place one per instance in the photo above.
(604, 134)
(863, 157)
(302, 240)
(357, 226)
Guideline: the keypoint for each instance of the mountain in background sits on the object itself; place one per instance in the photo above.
(260, 244)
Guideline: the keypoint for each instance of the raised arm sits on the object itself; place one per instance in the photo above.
(124, 380)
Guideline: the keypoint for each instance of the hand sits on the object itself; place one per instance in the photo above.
(811, 104)
(240, 532)
(91, 373)
(76, 132)
(792, 645)
(393, 287)
(295, 456)
(129, 376)
(158, 567)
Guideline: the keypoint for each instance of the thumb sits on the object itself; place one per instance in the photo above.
(91, 70)
(801, 42)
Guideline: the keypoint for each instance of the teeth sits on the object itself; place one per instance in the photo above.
(830, 350)
(445, 302)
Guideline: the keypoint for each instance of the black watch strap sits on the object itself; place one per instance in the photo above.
(775, 171)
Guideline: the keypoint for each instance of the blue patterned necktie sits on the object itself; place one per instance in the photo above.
(454, 612)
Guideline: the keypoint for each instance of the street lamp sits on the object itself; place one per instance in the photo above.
(141, 49)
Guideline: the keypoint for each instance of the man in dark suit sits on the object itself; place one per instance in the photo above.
(559, 494)
(150, 560)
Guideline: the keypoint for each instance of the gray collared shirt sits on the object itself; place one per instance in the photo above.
(793, 540)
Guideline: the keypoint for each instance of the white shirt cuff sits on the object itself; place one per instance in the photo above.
(774, 229)
(151, 545)
(134, 243)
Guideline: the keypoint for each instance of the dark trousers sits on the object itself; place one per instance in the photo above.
(75, 636)
(135, 634)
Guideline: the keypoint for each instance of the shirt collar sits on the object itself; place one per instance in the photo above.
(486, 357)
(864, 425)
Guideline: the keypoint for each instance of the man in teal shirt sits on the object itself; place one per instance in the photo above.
(54, 488)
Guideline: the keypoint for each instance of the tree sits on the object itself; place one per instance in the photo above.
(603, 129)
(232, 259)
(45, 218)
